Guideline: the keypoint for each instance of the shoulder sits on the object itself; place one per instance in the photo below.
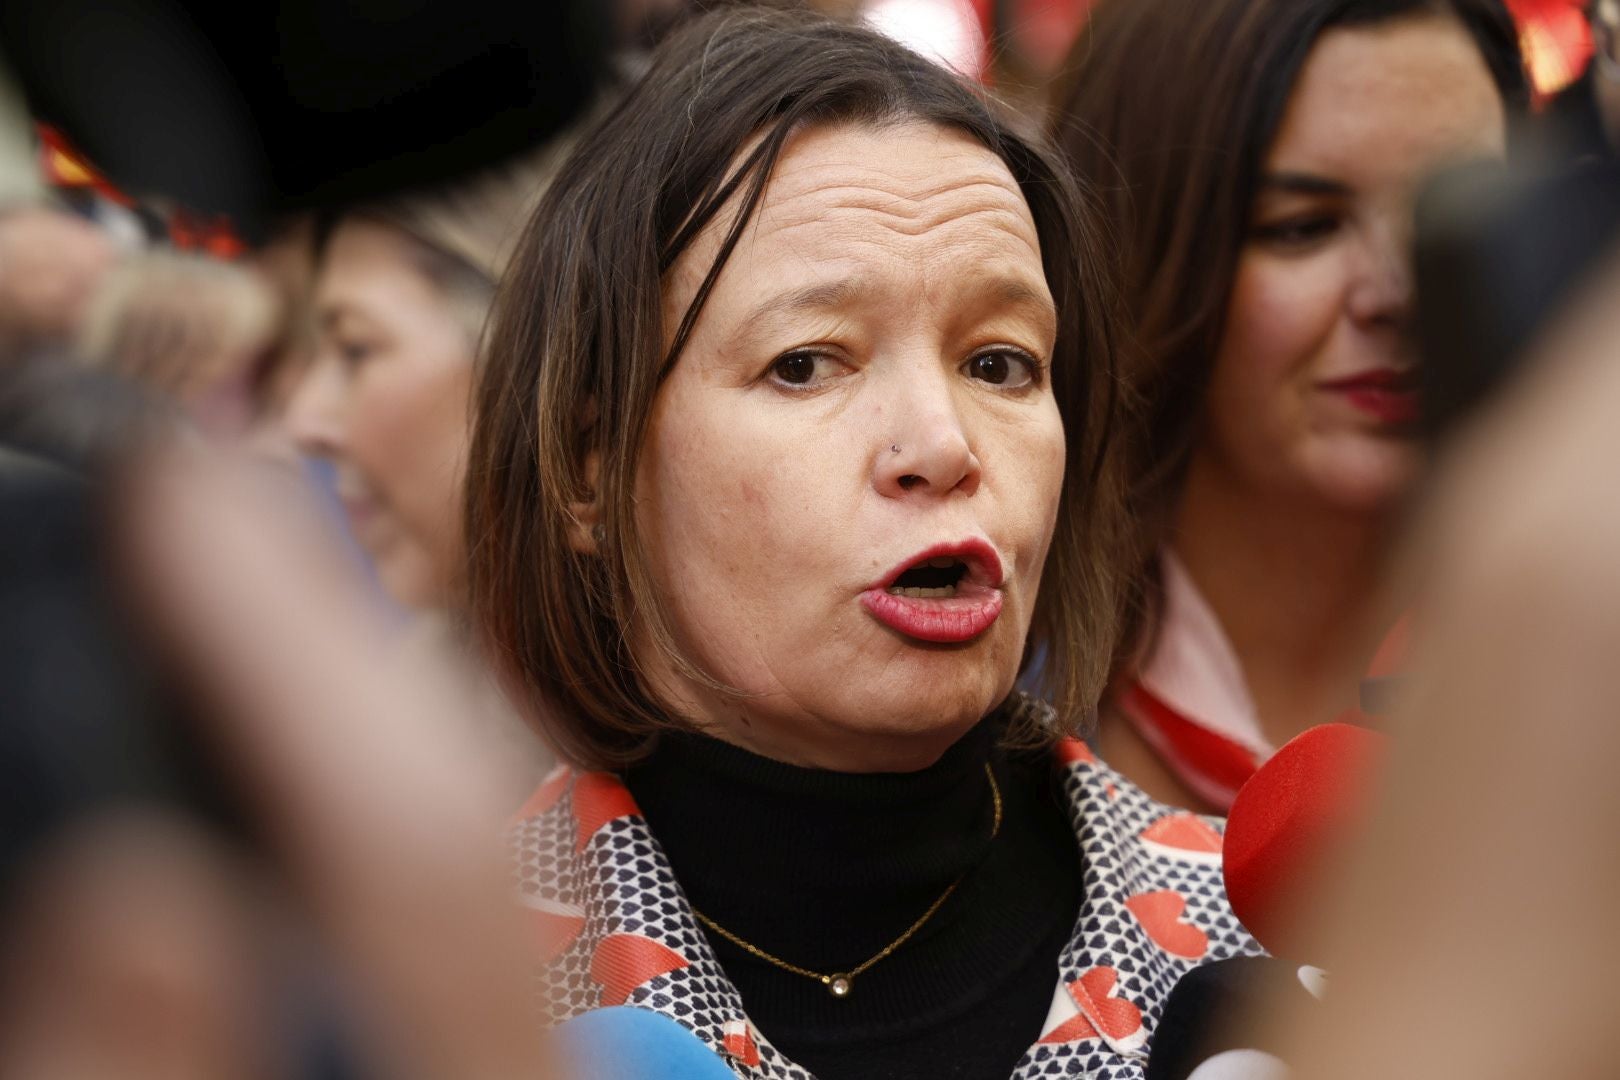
(1154, 907)
(611, 923)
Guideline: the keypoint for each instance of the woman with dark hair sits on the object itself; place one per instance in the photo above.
(1262, 159)
(790, 444)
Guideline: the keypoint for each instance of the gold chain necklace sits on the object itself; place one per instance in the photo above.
(840, 983)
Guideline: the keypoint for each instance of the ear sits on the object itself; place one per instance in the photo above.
(585, 517)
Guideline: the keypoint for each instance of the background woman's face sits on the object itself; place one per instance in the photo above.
(865, 386)
(1313, 389)
(385, 399)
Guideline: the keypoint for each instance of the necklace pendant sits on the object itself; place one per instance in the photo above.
(839, 986)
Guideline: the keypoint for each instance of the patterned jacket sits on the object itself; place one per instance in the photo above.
(619, 931)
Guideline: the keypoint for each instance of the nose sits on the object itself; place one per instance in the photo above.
(314, 415)
(927, 453)
(1381, 289)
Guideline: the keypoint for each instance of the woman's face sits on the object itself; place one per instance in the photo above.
(864, 392)
(1313, 392)
(385, 399)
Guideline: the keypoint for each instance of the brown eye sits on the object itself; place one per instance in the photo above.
(807, 370)
(1299, 232)
(1002, 368)
(795, 369)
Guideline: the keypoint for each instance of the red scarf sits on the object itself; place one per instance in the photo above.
(1202, 751)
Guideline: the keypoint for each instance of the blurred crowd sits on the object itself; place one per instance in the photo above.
(424, 431)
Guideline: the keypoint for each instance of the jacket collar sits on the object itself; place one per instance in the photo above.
(616, 929)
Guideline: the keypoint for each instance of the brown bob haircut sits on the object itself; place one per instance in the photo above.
(578, 350)
(1167, 108)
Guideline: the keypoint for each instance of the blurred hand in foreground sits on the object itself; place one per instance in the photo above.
(1474, 931)
(50, 263)
(145, 945)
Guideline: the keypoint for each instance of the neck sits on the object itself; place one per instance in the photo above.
(1296, 586)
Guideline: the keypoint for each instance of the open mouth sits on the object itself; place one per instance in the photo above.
(935, 578)
(950, 593)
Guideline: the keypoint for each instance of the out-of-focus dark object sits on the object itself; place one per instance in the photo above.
(1501, 250)
(90, 721)
(1205, 1029)
(1603, 77)
(266, 106)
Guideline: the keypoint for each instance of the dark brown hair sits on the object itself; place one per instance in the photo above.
(578, 351)
(1167, 108)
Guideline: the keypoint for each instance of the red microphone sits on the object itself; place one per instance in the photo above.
(1288, 823)
(1290, 820)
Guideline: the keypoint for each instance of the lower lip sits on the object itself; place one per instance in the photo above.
(945, 620)
(1383, 404)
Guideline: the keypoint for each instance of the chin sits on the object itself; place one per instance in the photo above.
(936, 698)
(412, 583)
(1365, 475)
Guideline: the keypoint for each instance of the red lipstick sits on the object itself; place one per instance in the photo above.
(1388, 396)
(949, 593)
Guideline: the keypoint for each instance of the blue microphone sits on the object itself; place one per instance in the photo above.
(626, 1043)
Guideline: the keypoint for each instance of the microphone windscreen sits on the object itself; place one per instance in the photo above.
(1288, 821)
(626, 1043)
(1203, 1033)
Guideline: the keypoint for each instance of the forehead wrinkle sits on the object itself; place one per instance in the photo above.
(1006, 223)
(868, 212)
(908, 214)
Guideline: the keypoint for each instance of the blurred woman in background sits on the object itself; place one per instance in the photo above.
(401, 294)
(1263, 158)
(402, 291)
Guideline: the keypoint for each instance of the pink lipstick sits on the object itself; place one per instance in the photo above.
(949, 593)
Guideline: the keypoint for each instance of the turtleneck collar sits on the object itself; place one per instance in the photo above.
(824, 869)
(837, 855)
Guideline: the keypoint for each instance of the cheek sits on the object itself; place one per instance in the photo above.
(755, 515)
(707, 502)
(1033, 486)
(409, 434)
(733, 498)
(1280, 318)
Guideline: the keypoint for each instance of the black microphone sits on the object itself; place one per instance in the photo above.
(1202, 1034)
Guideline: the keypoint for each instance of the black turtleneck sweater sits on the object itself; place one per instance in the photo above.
(824, 869)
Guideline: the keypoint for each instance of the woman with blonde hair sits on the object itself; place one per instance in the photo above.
(402, 290)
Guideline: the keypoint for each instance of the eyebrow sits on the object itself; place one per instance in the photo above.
(1013, 291)
(809, 298)
(1299, 183)
(330, 317)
